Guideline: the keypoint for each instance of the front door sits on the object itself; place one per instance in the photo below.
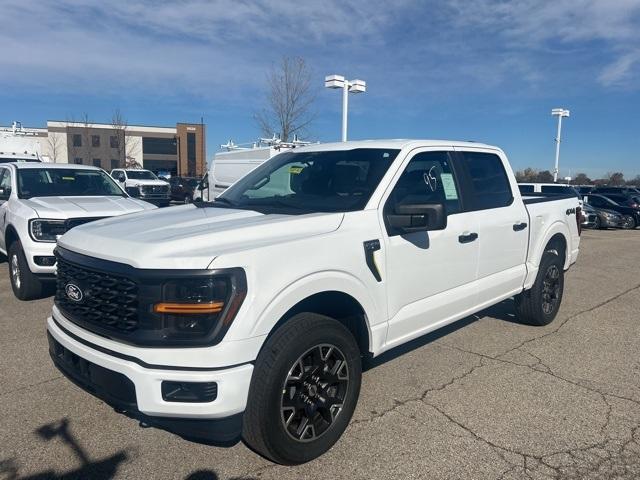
(430, 275)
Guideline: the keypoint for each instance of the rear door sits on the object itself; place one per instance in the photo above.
(491, 192)
(430, 275)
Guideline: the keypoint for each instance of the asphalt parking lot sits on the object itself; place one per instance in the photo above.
(486, 398)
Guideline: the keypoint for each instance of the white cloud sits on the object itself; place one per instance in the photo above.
(221, 49)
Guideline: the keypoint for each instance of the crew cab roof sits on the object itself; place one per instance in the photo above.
(397, 144)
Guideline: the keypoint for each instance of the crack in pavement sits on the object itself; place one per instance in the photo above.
(26, 387)
(562, 471)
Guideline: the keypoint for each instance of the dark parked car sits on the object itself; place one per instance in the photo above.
(584, 189)
(616, 190)
(627, 200)
(182, 188)
(601, 218)
(630, 215)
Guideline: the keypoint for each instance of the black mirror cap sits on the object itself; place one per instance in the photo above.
(409, 218)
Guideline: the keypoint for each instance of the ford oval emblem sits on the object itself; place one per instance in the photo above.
(73, 292)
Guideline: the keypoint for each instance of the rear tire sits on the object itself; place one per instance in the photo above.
(597, 224)
(25, 285)
(299, 375)
(540, 304)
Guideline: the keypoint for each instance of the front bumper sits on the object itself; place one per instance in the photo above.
(612, 222)
(139, 386)
(38, 249)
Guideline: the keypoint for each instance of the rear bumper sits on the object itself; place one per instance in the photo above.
(135, 389)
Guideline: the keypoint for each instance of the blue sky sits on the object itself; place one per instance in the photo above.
(484, 70)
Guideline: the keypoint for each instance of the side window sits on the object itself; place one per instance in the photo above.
(5, 181)
(489, 184)
(5, 178)
(526, 188)
(428, 178)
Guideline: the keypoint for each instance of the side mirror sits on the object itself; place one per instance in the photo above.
(121, 178)
(411, 218)
(5, 193)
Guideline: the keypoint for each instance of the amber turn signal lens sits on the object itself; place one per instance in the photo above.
(180, 308)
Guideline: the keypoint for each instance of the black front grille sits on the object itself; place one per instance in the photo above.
(74, 222)
(105, 300)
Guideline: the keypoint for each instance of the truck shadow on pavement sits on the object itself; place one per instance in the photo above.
(504, 310)
(104, 469)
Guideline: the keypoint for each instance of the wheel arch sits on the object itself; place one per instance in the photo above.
(340, 297)
(10, 236)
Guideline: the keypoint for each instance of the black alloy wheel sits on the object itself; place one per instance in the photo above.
(629, 222)
(551, 289)
(314, 392)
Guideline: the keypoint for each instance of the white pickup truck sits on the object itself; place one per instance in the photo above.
(253, 312)
(41, 201)
(143, 184)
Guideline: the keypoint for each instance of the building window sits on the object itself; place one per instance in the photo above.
(96, 163)
(77, 161)
(159, 146)
(77, 140)
(95, 140)
(191, 154)
(113, 141)
(114, 164)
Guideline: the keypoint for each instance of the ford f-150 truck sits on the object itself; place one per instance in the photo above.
(143, 184)
(41, 201)
(253, 312)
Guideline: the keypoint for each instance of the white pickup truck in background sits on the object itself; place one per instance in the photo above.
(143, 184)
(254, 311)
(41, 201)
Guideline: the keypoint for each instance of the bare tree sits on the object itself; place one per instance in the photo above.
(289, 100)
(54, 146)
(127, 146)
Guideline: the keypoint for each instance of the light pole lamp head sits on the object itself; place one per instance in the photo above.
(334, 81)
(357, 86)
(561, 112)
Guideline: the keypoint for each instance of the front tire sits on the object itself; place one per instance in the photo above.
(304, 389)
(540, 304)
(25, 285)
(629, 222)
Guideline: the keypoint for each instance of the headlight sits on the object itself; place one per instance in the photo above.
(44, 230)
(200, 308)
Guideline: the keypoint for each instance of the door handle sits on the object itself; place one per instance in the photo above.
(519, 226)
(467, 238)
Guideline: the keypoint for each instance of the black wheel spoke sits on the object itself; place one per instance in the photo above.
(314, 392)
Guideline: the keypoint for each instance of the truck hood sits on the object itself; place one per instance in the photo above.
(188, 237)
(75, 207)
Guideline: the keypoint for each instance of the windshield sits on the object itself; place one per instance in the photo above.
(304, 182)
(141, 175)
(65, 182)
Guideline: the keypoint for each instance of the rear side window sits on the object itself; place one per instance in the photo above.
(488, 182)
(428, 178)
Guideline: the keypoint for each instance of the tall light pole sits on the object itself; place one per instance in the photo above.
(559, 112)
(347, 86)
